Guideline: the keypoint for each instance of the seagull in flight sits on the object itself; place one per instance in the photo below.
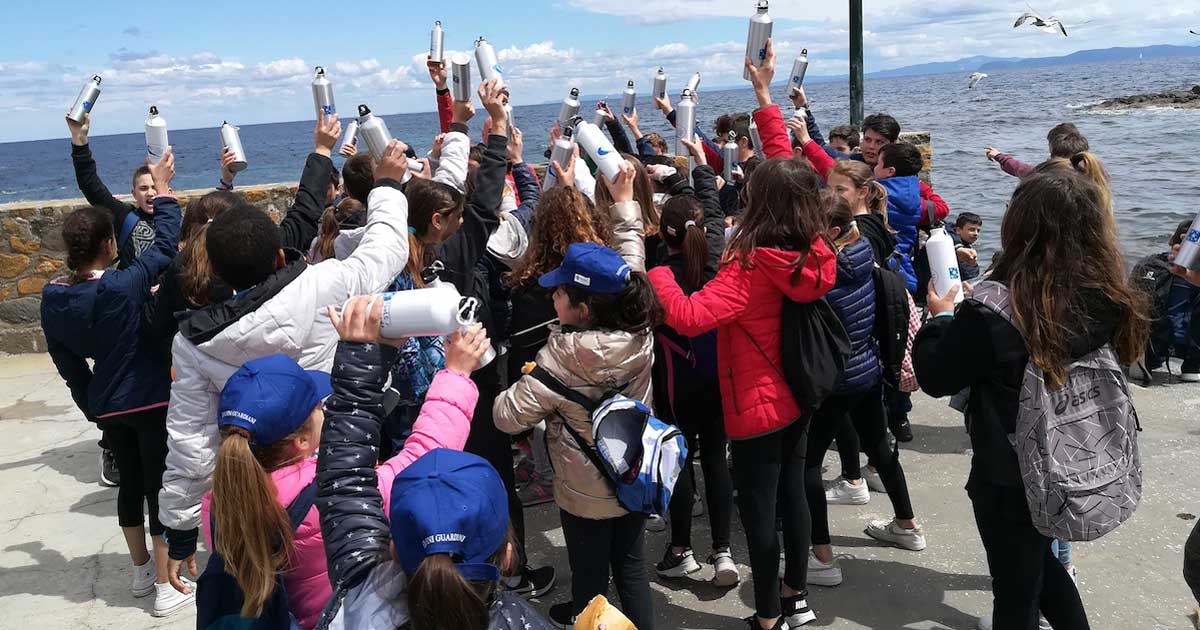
(1046, 25)
(1194, 33)
(975, 78)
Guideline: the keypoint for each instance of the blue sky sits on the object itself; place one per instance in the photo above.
(251, 61)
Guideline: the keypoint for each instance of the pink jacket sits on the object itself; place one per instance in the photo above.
(444, 422)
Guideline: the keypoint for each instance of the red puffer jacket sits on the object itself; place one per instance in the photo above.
(744, 304)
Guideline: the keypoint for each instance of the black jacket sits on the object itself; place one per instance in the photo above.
(97, 194)
(883, 242)
(977, 348)
(619, 137)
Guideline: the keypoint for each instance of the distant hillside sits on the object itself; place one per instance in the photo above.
(968, 64)
(1094, 56)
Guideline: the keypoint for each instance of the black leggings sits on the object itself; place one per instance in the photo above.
(703, 425)
(494, 445)
(1026, 576)
(870, 422)
(848, 448)
(595, 546)
(765, 469)
(138, 442)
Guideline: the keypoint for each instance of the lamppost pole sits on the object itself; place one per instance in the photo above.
(856, 62)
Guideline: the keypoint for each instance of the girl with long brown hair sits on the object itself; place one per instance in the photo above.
(855, 182)
(1065, 275)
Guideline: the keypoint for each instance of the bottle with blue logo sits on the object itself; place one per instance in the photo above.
(799, 69)
(943, 263)
(488, 63)
(86, 99)
(1188, 256)
(756, 41)
(593, 142)
(323, 94)
(628, 99)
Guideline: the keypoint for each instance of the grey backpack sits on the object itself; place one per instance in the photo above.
(1077, 446)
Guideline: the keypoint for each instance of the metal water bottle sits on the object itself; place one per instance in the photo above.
(729, 155)
(233, 142)
(660, 84)
(564, 147)
(437, 43)
(460, 77)
(756, 40)
(373, 131)
(693, 84)
(156, 136)
(570, 108)
(434, 311)
(599, 117)
(629, 99)
(685, 122)
(489, 64)
(350, 134)
(323, 94)
(86, 99)
(508, 111)
(1188, 256)
(799, 69)
(755, 139)
(599, 148)
(943, 263)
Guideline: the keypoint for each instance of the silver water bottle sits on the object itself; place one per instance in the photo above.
(350, 134)
(685, 127)
(629, 99)
(564, 147)
(599, 117)
(570, 108)
(1188, 256)
(86, 99)
(729, 155)
(460, 77)
(437, 43)
(755, 139)
(512, 121)
(373, 131)
(599, 148)
(693, 84)
(489, 64)
(660, 84)
(323, 94)
(156, 136)
(231, 141)
(756, 40)
(799, 69)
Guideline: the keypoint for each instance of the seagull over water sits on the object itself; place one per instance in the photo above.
(1046, 25)
(1194, 33)
(975, 78)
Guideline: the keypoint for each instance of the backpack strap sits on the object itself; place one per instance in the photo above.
(557, 386)
(127, 226)
(302, 504)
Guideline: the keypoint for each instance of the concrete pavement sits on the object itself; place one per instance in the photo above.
(63, 562)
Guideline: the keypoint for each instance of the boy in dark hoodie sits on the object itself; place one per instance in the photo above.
(897, 169)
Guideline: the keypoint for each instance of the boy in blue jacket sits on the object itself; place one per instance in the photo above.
(897, 169)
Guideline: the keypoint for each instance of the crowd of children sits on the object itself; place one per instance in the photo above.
(346, 480)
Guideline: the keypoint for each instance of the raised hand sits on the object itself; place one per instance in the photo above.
(463, 350)
(79, 131)
(394, 163)
(492, 95)
(227, 159)
(437, 72)
(761, 76)
(163, 172)
(326, 134)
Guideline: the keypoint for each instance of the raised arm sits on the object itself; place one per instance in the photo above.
(88, 179)
(627, 237)
(714, 218)
(143, 272)
(445, 102)
(302, 222)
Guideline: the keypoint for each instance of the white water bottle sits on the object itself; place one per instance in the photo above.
(599, 148)
(799, 69)
(87, 98)
(629, 99)
(570, 108)
(564, 147)
(156, 136)
(660, 84)
(943, 263)
(1188, 256)
(231, 140)
(434, 311)
(756, 40)
(489, 64)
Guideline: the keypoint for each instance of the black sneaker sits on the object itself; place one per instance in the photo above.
(109, 474)
(1189, 372)
(563, 615)
(796, 610)
(677, 565)
(902, 430)
(532, 582)
(780, 624)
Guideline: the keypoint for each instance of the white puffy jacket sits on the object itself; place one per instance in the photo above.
(293, 322)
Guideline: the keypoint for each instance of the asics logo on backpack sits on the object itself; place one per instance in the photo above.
(1073, 400)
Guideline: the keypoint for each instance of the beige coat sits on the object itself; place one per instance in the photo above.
(591, 362)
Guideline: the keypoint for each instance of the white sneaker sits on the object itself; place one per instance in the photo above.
(985, 622)
(822, 573)
(1043, 624)
(168, 601)
(725, 572)
(677, 566)
(1189, 377)
(873, 481)
(889, 531)
(143, 578)
(843, 492)
(796, 611)
(656, 523)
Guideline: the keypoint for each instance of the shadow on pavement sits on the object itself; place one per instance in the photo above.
(78, 459)
(77, 580)
(900, 594)
(932, 440)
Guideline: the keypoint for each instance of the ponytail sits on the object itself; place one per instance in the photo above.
(253, 533)
(682, 231)
(440, 598)
(416, 260)
(840, 216)
(877, 200)
(195, 278)
(328, 234)
(1087, 164)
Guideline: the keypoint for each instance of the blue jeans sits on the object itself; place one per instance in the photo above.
(1061, 549)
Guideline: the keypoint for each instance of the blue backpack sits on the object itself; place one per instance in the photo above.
(219, 598)
(640, 455)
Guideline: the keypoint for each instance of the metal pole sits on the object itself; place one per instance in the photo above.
(856, 62)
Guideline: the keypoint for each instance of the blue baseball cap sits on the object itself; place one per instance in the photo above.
(591, 267)
(453, 503)
(271, 397)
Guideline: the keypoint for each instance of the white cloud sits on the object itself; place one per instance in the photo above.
(355, 68)
(669, 50)
(282, 68)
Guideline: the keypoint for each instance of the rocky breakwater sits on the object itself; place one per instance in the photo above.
(1181, 99)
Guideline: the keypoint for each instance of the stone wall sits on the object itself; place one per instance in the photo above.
(32, 252)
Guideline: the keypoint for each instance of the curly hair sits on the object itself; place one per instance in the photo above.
(564, 216)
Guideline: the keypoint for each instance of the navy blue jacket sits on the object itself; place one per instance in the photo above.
(904, 213)
(853, 299)
(101, 319)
